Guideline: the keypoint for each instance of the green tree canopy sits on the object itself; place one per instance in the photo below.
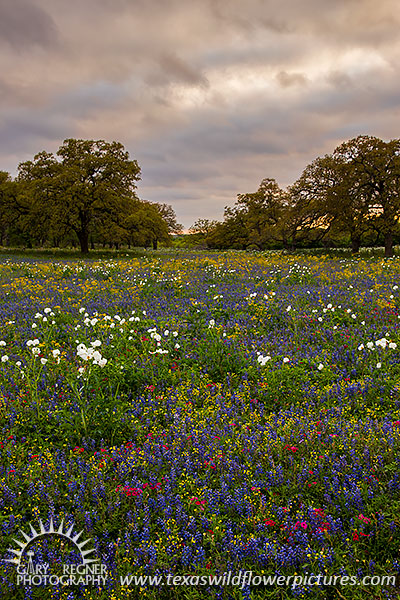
(146, 226)
(264, 213)
(7, 195)
(373, 171)
(86, 181)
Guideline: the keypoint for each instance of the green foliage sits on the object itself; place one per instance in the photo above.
(351, 194)
(146, 226)
(86, 192)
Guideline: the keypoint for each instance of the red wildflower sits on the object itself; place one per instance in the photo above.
(292, 448)
(130, 491)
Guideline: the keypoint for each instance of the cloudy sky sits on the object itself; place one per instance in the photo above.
(209, 96)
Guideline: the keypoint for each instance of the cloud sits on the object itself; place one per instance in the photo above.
(288, 79)
(173, 67)
(210, 96)
(24, 24)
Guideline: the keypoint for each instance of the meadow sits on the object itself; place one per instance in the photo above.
(203, 413)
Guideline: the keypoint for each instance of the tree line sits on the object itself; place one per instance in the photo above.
(350, 196)
(84, 194)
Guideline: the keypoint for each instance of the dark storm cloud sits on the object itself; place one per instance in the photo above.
(210, 96)
(23, 24)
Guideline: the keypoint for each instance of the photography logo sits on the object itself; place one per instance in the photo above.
(89, 571)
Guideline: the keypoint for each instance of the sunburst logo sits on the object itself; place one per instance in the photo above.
(45, 532)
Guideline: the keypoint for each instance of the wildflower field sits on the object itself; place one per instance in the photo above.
(198, 414)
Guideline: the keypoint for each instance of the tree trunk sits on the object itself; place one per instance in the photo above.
(355, 244)
(83, 237)
(155, 244)
(389, 243)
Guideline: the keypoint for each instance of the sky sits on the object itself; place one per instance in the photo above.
(209, 96)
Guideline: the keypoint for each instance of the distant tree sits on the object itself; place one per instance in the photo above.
(327, 197)
(231, 233)
(373, 170)
(97, 178)
(168, 214)
(350, 191)
(38, 197)
(200, 231)
(7, 199)
(202, 227)
(146, 227)
(264, 213)
(88, 181)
